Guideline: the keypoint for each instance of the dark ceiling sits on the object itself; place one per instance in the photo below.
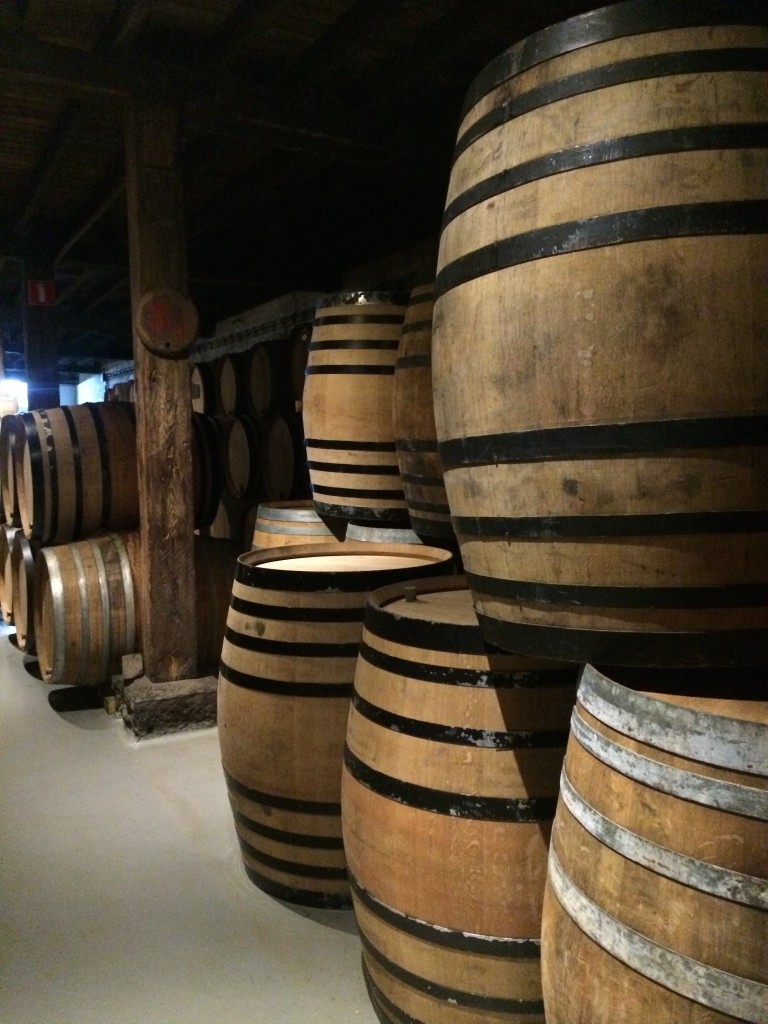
(317, 136)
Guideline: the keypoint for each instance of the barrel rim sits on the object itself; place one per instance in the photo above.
(615, 21)
(708, 737)
(365, 297)
(249, 564)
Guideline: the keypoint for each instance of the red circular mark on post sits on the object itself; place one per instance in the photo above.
(166, 322)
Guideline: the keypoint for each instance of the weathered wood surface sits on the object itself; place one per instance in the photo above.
(163, 427)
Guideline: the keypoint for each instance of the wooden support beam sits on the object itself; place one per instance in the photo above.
(163, 421)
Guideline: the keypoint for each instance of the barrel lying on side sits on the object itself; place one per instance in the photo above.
(657, 893)
(287, 665)
(85, 612)
(76, 471)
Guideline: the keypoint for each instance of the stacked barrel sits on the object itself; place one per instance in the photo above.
(250, 403)
(601, 419)
(69, 548)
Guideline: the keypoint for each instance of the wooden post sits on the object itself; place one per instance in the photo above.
(166, 588)
(40, 344)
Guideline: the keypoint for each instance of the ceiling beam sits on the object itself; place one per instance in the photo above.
(214, 103)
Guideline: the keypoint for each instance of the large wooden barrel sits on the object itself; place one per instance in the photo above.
(657, 892)
(347, 407)
(280, 523)
(287, 665)
(85, 612)
(20, 565)
(413, 414)
(10, 431)
(449, 788)
(600, 298)
(76, 473)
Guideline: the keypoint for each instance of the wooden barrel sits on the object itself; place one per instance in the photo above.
(228, 523)
(347, 407)
(207, 468)
(280, 523)
(600, 413)
(84, 608)
(228, 384)
(413, 414)
(283, 458)
(10, 433)
(85, 613)
(657, 892)
(202, 385)
(258, 382)
(21, 566)
(242, 448)
(448, 793)
(76, 473)
(287, 665)
(7, 533)
(370, 533)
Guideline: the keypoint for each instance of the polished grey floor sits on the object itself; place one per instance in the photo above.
(122, 894)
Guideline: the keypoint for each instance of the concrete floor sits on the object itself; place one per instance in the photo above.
(123, 899)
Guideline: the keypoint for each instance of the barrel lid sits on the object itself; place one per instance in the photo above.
(446, 600)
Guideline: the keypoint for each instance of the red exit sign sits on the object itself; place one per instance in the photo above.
(41, 293)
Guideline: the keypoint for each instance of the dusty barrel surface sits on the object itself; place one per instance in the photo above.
(657, 892)
(280, 523)
(287, 666)
(76, 473)
(600, 412)
(449, 789)
(347, 407)
(413, 415)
